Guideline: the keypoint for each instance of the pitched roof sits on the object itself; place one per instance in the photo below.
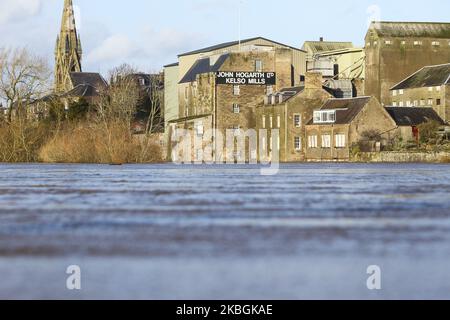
(321, 46)
(202, 66)
(88, 78)
(231, 44)
(176, 64)
(346, 109)
(83, 90)
(413, 116)
(411, 29)
(429, 76)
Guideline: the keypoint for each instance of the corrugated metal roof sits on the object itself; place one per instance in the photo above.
(413, 116)
(202, 66)
(321, 46)
(412, 29)
(429, 76)
(231, 44)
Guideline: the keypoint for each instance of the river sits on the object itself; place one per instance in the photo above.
(225, 232)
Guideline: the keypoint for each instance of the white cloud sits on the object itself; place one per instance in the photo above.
(112, 48)
(147, 50)
(15, 10)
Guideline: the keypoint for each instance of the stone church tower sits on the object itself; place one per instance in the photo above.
(68, 50)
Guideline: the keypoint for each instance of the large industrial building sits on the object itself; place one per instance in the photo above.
(395, 50)
(220, 87)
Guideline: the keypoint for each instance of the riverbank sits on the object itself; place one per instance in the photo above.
(402, 157)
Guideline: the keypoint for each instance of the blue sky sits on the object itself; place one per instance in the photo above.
(149, 33)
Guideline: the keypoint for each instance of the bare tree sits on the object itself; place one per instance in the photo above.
(155, 92)
(23, 78)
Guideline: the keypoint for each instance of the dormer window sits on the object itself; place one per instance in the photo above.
(325, 116)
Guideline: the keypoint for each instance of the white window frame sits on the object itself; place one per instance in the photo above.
(435, 43)
(236, 90)
(401, 91)
(236, 108)
(418, 43)
(401, 104)
(340, 140)
(312, 141)
(325, 116)
(394, 104)
(278, 121)
(297, 143)
(388, 42)
(297, 124)
(394, 93)
(264, 122)
(271, 122)
(269, 90)
(430, 102)
(326, 141)
(199, 129)
(259, 66)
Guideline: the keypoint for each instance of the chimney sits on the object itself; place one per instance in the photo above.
(313, 80)
(321, 39)
(358, 87)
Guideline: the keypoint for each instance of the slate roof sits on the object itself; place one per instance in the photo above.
(413, 116)
(438, 30)
(83, 90)
(231, 44)
(88, 78)
(346, 109)
(321, 46)
(202, 66)
(429, 76)
(176, 64)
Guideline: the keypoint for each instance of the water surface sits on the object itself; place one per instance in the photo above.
(225, 232)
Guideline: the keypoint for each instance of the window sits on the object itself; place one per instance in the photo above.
(430, 102)
(401, 91)
(325, 116)
(416, 103)
(297, 121)
(236, 108)
(258, 66)
(401, 104)
(394, 104)
(236, 131)
(438, 89)
(340, 140)
(375, 43)
(422, 102)
(394, 93)
(435, 43)
(408, 103)
(326, 141)
(388, 42)
(403, 42)
(430, 89)
(368, 44)
(199, 129)
(438, 102)
(271, 122)
(236, 90)
(278, 122)
(298, 143)
(417, 43)
(312, 141)
(186, 93)
(269, 90)
(264, 122)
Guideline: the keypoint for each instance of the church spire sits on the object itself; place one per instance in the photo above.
(68, 50)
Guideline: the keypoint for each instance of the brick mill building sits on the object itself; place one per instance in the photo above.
(394, 50)
(224, 84)
(428, 87)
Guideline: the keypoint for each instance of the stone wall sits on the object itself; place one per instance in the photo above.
(399, 157)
